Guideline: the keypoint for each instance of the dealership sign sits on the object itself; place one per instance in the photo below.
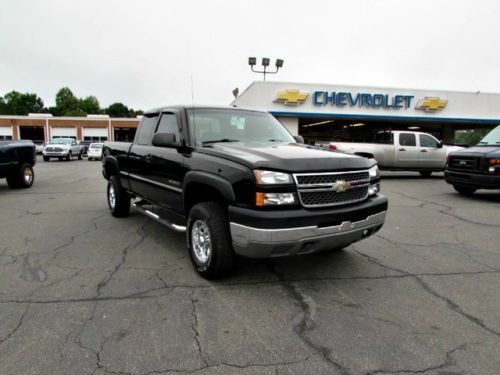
(295, 97)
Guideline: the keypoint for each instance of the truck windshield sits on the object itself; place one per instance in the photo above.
(210, 126)
(492, 138)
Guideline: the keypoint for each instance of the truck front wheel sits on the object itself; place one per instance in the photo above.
(209, 241)
(22, 178)
(465, 190)
(118, 199)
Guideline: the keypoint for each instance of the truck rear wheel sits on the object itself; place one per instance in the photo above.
(80, 156)
(209, 241)
(118, 199)
(46, 158)
(22, 178)
(465, 190)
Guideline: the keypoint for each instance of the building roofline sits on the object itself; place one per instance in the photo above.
(16, 117)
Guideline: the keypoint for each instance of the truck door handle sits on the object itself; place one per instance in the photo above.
(148, 158)
(423, 150)
(402, 149)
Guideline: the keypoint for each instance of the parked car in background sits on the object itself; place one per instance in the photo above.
(402, 150)
(95, 151)
(40, 145)
(477, 167)
(62, 148)
(16, 163)
(85, 146)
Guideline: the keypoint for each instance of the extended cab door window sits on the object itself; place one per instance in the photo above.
(146, 129)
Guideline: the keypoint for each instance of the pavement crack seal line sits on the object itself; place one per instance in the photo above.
(446, 210)
(449, 303)
(125, 250)
(145, 294)
(18, 325)
(306, 323)
(449, 361)
(195, 329)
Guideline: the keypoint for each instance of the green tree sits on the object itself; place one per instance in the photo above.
(16, 103)
(89, 105)
(66, 102)
(3, 107)
(118, 110)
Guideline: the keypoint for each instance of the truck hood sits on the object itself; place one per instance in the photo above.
(288, 157)
(485, 151)
(60, 145)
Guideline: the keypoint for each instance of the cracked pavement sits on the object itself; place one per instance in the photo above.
(82, 292)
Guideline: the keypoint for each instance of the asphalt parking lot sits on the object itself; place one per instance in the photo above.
(82, 292)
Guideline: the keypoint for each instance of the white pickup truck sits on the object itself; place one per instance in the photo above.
(62, 148)
(402, 150)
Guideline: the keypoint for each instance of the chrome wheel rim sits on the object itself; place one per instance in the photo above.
(112, 196)
(28, 175)
(201, 241)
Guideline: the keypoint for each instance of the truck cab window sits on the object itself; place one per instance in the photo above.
(407, 139)
(145, 131)
(427, 141)
(168, 124)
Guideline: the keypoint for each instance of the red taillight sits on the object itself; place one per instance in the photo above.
(332, 147)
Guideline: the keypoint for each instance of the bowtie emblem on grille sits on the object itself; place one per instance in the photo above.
(341, 186)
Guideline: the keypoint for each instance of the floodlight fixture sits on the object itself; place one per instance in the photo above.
(266, 62)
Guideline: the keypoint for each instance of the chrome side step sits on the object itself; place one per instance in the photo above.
(151, 214)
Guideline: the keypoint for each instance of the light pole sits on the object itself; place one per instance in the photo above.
(252, 61)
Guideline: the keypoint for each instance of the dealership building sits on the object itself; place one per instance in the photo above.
(318, 112)
(43, 127)
(321, 112)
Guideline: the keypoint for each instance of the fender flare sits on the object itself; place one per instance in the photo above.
(220, 184)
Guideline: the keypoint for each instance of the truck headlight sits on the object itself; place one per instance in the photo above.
(271, 177)
(274, 199)
(374, 172)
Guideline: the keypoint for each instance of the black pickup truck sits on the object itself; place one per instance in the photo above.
(476, 167)
(16, 163)
(239, 184)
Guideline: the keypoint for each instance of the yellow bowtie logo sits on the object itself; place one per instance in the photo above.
(291, 97)
(429, 104)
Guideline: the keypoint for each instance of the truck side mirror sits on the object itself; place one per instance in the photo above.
(298, 138)
(440, 144)
(164, 140)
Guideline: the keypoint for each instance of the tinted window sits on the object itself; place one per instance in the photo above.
(168, 124)
(427, 141)
(407, 139)
(145, 131)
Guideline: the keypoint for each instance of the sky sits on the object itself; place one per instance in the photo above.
(150, 53)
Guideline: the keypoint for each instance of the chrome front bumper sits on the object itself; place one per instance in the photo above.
(264, 243)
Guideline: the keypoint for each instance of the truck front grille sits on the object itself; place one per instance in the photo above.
(53, 149)
(332, 189)
(464, 163)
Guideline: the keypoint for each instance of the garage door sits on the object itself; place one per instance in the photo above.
(95, 134)
(63, 132)
(6, 133)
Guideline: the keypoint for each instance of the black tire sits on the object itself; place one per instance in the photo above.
(60, 158)
(23, 178)
(425, 173)
(119, 203)
(465, 190)
(80, 156)
(89, 159)
(68, 157)
(46, 158)
(212, 218)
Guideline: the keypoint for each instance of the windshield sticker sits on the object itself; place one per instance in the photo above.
(239, 122)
